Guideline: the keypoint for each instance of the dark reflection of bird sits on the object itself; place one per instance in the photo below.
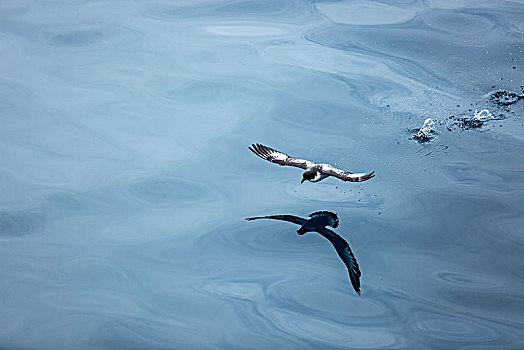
(314, 172)
(317, 222)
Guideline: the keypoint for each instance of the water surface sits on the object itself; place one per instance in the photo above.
(126, 176)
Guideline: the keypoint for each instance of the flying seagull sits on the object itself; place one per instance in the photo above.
(317, 222)
(314, 172)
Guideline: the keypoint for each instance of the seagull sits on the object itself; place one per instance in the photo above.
(317, 222)
(314, 172)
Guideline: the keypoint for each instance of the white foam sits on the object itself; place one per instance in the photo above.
(427, 128)
(482, 115)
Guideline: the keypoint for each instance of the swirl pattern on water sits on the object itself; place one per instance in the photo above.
(126, 175)
(365, 13)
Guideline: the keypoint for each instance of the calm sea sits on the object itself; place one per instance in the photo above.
(125, 175)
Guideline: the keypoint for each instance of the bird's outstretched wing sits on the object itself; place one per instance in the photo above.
(346, 175)
(290, 218)
(278, 157)
(345, 253)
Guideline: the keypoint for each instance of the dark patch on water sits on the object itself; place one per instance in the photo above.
(465, 123)
(504, 97)
(469, 123)
(74, 38)
(18, 223)
(168, 191)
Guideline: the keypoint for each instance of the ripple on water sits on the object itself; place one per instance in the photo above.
(470, 280)
(73, 37)
(169, 191)
(245, 30)
(291, 10)
(86, 37)
(333, 303)
(258, 7)
(98, 301)
(365, 13)
(215, 92)
(491, 305)
(453, 329)
(11, 93)
(72, 202)
(446, 4)
(86, 270)
(457, 23)
(236, 290)
(313, 116)
(364, 73)
(495, 179)
(319, 330)
(18, 223)
(345, 194)
(264, 238)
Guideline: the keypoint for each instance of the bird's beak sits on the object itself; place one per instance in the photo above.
(302, 181)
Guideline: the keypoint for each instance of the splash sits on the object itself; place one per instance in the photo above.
(482, 115)
(477, 121)
(426, 132)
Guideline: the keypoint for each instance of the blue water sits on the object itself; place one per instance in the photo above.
(126, 177)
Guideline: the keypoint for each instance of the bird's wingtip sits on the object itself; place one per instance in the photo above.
(255, 148)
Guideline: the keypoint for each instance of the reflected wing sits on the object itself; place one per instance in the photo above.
(345, 253)
(290, 218)
(346, 175)
(278, 157)
(353, 269)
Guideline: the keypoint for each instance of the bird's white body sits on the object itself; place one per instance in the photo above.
(319, 177)
(317, 169)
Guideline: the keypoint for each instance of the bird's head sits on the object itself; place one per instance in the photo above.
(301, 231)
(308, 175)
